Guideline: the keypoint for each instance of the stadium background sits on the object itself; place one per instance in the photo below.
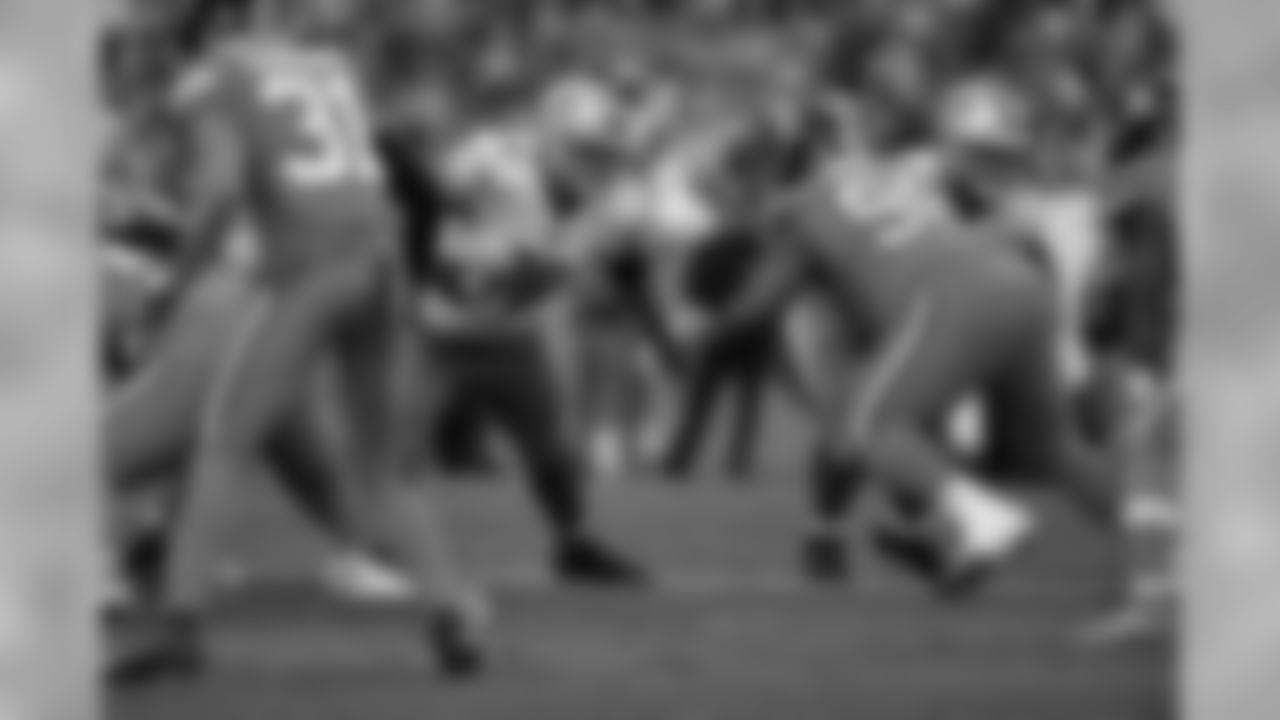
(1103, 82)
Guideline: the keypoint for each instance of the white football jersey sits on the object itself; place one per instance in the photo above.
(892, 198)
(498, 171)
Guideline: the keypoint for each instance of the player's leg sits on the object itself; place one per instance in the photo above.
(1134, 329)
(456, 438)
(454, 395)
(1035, 433)
(261, 372)
(799, 357)
(837, 480)
(943, 346)
(525, 399)
(654, 384)
(1150, 522)
(380, 368)
(752, 378)
(604, 390)
(701, 387)
(635, 282)
(151, 416)
(650, 359)
(1152, 515)
(301, 457)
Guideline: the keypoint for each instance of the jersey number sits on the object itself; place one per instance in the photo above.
(333, 127)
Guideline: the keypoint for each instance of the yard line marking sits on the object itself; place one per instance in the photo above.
(677, 585)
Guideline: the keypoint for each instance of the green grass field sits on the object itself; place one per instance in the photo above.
(732, 633)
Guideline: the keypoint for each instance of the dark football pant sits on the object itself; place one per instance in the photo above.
(511, 382)
(991, 336)
(350, 315)
(742, 365)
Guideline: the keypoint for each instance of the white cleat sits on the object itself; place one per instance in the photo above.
(359, 578)
(990, 527)
(975, 531)
(991, 530)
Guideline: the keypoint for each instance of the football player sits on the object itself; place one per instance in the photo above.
(497, 307)
(953, 306)
(159, 377)
(275, 135)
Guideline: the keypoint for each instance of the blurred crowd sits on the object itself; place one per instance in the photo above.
(747, 85)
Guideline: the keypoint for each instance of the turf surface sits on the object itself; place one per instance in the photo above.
(731, 634)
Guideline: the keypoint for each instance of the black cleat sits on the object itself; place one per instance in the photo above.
(932, 559)
(456, 639)
(588, 562)
(171, 650)
(826, 559)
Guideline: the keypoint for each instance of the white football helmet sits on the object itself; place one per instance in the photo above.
(984, 115)
(579, 108)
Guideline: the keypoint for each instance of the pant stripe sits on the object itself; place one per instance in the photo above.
(879, 385)
(232, 362)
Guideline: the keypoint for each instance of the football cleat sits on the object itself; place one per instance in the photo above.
(359, 578)
(958, 544)
(456, 635)
(588, 562)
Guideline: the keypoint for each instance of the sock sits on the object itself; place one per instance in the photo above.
(836, 486)
(559, 491)
(1151, 524)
